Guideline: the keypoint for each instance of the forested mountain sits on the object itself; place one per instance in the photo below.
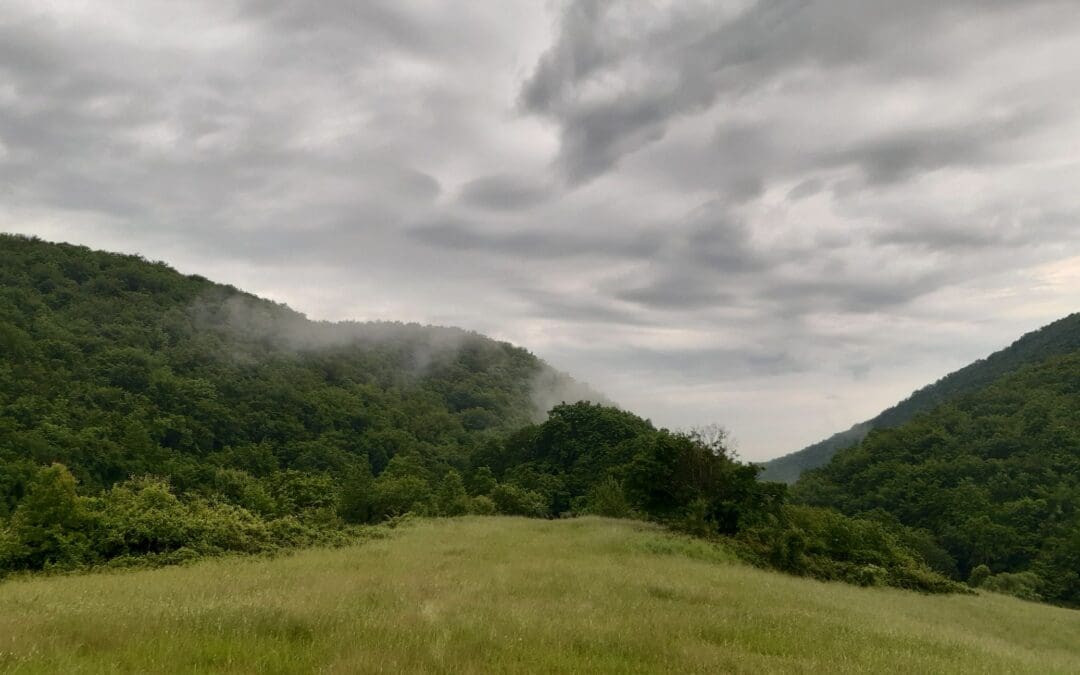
(116, 366)
(147, 417)
(993, 475)
(1056, 339)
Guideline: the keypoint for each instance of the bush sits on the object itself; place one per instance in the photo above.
(1023, 585)
(978, 576)
(607, 498)
(482, 505)
(512, 500)
(451, 499)
(824, 544)
(695, 519)
(243, 489)
(395, 496)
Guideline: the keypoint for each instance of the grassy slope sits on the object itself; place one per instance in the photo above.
(502, 594)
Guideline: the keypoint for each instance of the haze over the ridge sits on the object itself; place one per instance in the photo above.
(781, 215)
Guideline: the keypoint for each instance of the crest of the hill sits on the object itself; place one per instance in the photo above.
(1056, 339)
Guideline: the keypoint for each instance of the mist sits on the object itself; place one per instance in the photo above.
(256, 328)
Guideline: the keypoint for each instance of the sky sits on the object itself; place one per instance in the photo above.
(778, 215)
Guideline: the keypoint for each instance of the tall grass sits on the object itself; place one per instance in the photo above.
(504, 594)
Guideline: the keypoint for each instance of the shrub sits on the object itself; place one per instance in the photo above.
(978, 575)
(482, 505)
(1024, 585)
(827, 545)
(512, 500)
(397, 495)
(607, 498)
(451, 499)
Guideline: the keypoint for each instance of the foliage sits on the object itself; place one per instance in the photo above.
(978, 575)
(451, 498)
(608, 498)
(140, 521)
(239, 408)
(118, 367)
(1024, 585)
(511, 500)
(993, 476)
(824, 544)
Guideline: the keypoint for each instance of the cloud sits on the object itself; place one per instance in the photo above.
(503, 192)
(534, 244)
(619, 73)
(711, 210)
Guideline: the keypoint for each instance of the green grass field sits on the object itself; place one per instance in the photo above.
(512, 595)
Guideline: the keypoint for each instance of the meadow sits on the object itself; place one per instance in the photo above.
(500, 594)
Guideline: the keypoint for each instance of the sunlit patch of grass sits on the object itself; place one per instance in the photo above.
(510, 595)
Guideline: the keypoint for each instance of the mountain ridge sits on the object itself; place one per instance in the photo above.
(1056, 338)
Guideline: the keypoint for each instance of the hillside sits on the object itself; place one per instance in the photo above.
(1056, 339)
(994, 476)
(514, 595)
(116, 366)
(148, 418)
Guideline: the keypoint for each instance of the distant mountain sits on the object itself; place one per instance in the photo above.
(1056, 339)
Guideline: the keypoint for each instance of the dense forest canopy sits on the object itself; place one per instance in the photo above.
(994, 476)
(119, 367)
(1056, 339)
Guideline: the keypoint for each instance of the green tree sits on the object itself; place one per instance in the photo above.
(451, 498)
(49, 526)
(607, 498)
(358, 499)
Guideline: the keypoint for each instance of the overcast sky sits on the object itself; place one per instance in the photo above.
(781, 215)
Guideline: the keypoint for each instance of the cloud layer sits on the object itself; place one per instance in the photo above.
(782, 215)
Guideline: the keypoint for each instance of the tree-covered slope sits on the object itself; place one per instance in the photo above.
(115, 366)
(1055, 339)
(993, 475)
(148, 418)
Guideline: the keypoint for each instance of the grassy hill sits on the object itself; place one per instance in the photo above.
(1056, 339)
(513, 595)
